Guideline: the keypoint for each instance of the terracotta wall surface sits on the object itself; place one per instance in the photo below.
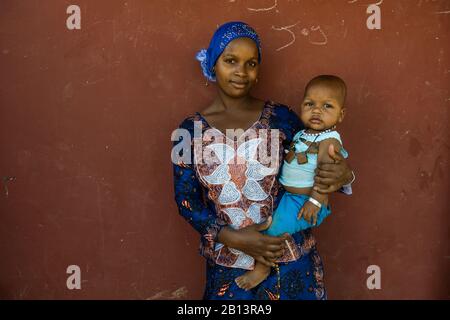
(86, 118)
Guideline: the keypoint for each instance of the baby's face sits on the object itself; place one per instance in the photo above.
(322, 107)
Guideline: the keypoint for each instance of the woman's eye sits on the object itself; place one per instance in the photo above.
(252, 64)
(230, 61)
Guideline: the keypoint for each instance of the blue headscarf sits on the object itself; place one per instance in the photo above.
(221, 38)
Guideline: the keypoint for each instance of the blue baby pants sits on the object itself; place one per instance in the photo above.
(285, 216)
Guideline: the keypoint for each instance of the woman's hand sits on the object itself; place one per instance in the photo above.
(331, 176)
(265, 249)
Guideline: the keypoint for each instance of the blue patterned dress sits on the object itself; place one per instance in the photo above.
(221, 181)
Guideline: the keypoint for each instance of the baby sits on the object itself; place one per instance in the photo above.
(301, 207)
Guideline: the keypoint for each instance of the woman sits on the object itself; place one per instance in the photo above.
(226, 191)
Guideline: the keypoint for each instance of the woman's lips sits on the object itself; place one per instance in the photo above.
(239, 85)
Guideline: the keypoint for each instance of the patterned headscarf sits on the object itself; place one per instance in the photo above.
(221, 38)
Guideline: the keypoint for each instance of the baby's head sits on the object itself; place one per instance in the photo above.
(323, 103)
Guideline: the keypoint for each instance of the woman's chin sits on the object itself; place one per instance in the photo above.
(236, 94)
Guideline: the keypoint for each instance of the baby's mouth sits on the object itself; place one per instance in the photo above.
(315, 120)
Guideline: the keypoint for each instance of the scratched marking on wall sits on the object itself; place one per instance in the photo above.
(305, 32)
(5, 182)
(180, 293)
(315, 34)
(288, 29)
(264, 9)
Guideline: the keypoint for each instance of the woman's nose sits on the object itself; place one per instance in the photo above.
(240, 71)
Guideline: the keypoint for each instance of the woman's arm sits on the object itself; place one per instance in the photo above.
(189, 199)
(265, 249)
(311, 208)
(324, 157)
(333, 173)
(189, 191)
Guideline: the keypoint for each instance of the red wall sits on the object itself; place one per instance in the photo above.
(86, 122)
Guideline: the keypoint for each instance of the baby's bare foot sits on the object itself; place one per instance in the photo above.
(252, 278)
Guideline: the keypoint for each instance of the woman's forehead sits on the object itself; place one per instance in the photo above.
(241, 46)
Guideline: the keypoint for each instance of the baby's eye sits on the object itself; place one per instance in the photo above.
(252, 64)
(308, 104)
(328, 106)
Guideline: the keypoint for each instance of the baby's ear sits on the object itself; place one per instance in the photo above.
(342, 115)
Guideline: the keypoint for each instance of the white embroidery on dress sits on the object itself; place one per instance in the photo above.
(243, 261)
(219, 176)
(235, 251)
(223, 152)
(257, 171)
(229, 194)
(247, 149)
(236, 215)
(253, 191)
(218, 246)
(254, 212)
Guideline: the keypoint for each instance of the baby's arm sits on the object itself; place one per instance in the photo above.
(310, 210)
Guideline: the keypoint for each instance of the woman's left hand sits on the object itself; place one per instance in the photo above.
(331, 176)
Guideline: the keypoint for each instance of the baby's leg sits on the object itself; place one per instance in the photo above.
(252, 278)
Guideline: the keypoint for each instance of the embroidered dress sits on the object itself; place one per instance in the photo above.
(231, 182)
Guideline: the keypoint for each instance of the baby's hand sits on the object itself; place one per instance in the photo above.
(309, 212)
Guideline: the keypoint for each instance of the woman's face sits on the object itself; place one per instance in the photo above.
(237, 68)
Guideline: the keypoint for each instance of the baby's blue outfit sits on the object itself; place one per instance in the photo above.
(301, 176)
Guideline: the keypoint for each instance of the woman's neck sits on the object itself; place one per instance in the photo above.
(225, 103)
